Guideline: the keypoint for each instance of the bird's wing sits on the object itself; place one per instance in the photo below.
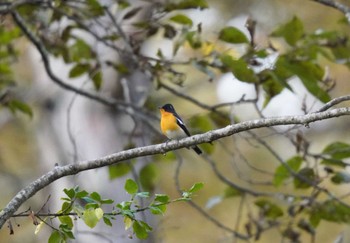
(180, 122)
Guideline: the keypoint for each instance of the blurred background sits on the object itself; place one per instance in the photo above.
(66, 128)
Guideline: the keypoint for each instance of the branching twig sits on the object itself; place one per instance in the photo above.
(185, 97)
(201, 210)
(334, 102)
(126, 107)
(121, 105)
(45, 57)
(314, 184)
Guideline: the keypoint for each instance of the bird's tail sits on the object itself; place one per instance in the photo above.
(197, 150)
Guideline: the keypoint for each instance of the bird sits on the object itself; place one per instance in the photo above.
(172, 125)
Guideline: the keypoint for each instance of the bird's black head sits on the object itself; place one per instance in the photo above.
(168, 108)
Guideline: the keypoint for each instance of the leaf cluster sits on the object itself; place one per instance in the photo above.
(89, 207)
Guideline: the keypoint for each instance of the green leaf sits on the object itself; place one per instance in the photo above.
(341, 53)
(315, 218)
(334, 162)
(118, 170)
(80, 50)
(310, 74)
(306, 173)
(5, 69)
(159, 205)
(282, 173)
(239, 69)
(182, 19)
(273, 85)
(281, 71)
(66, 220)
(16, 105)
(56, 237)
(69, 192)
(194, 39)
(107, 220)
(196, 187)
(96, 79)
(95, 196)
(66, 231)
(341, 177)
(291, 31)
(337, 150)
(140, 231)
(95, 7)
(79, 69)
(186, 4)
(7, 35)
(269, 209)
(149, 177)
(131, 186)
(232, 35)
(162, 198)
(332, 211)
(107, 201)
(81, 194)
(158, 209)
(66, 207)
(124, 206)
(122, 4)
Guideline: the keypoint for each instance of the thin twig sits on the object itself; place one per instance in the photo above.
(44, 55)
(334, 102)
(342, 8)
(298, 176)
(201, 210)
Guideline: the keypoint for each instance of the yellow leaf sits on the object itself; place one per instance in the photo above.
(207, 48)
(39, 226)
(127, 222)
(99, 213)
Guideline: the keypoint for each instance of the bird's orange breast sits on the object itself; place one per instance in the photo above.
(167, 122)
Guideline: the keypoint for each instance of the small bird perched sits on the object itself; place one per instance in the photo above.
(172, 125)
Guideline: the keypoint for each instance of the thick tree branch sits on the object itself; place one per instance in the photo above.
(75, 168)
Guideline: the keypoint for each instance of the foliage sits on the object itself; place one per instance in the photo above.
(300, 60)
(89, 207)
(304, 56)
